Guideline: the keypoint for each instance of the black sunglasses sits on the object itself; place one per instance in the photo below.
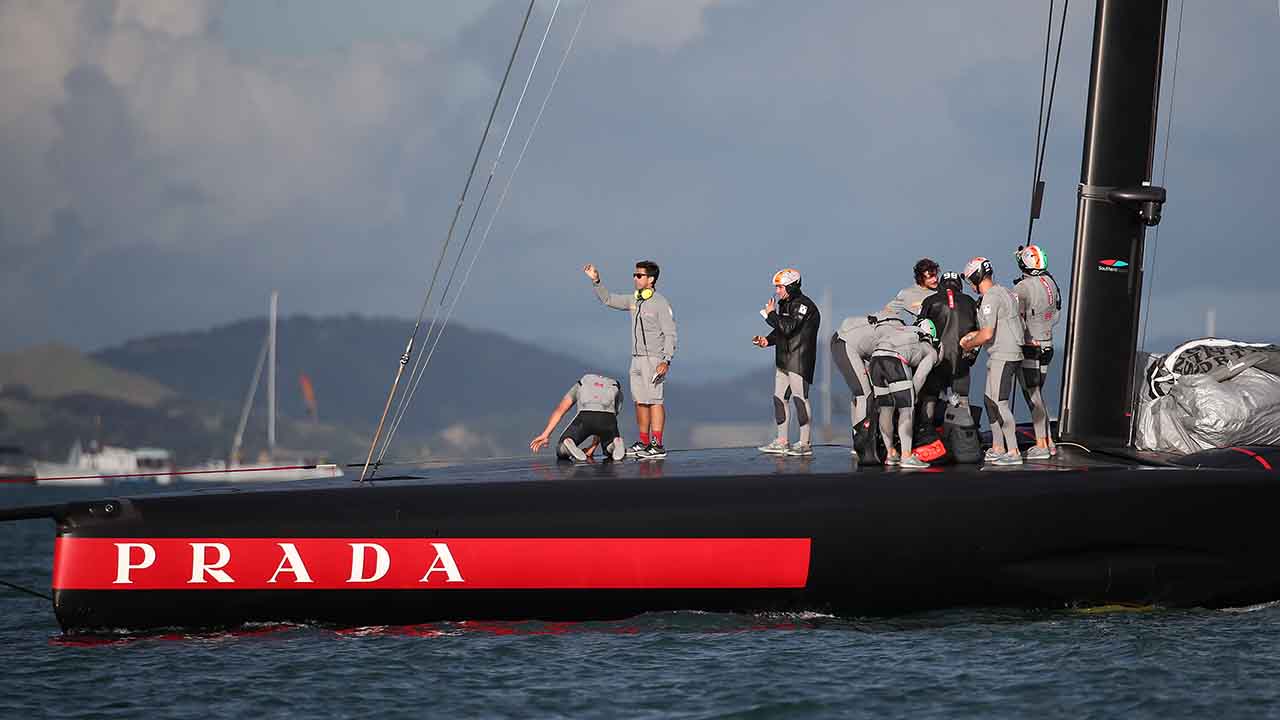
(639, 275)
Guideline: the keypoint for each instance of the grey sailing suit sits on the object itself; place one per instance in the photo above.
(653, 339)
(1039, 303)
(999, 310)
(900, 363)
(851, 347)
(599, 399)
(908, 300)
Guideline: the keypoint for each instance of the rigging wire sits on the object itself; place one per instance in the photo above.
(484, 237)
(29, 591)
(419, 366)
(1164, 171)
(1042, 140)
(404, 357)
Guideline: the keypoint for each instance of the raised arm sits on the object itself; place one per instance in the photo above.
(613, 300)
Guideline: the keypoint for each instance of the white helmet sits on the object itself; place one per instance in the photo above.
(786, 277)
(1032, 260)
(977, 269)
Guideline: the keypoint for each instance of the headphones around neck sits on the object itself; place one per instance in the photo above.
(644, 294)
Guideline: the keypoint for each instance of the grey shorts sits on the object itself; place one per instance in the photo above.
(643, 390)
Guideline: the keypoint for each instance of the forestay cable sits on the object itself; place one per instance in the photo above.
(1164, 171)
(1042, 139)
(408, 350)
(484, 237)
(420, 364)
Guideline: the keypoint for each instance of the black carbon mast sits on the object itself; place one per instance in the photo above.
(1115, 205)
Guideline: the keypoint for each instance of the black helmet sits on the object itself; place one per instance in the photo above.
(951, 279)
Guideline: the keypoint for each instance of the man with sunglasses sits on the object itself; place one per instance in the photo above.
(652, 345)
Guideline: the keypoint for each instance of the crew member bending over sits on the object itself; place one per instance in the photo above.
(1040, 304)
(794, 319)
(599, 399)
(903, 358)
(851, 348)
(1000, 330)
(652, 346)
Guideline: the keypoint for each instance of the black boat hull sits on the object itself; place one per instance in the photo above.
(807, 536)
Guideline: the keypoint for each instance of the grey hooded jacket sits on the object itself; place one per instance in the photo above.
(653, 323)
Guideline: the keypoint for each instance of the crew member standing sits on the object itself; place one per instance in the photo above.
(795, 320)
(1000, 329)
(652, 346)
(909, 299)
(1040, 304)
(851, 348)
(903, 358)
(955, 315)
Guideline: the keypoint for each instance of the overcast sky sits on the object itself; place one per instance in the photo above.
(167, 163)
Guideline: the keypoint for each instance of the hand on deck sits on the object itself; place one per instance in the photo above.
(539, 442)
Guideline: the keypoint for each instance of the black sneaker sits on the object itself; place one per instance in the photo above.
(637, 449)
(653, 452)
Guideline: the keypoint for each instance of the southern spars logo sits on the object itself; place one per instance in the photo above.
(1112, 265)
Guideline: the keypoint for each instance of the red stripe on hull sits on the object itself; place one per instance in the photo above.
(429, 563)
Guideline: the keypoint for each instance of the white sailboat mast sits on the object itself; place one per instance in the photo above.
(271, 376)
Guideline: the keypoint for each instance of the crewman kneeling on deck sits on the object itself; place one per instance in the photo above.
(903, 358)
(599, 399)
(794, 319)
(851, 348)
(1040, 304)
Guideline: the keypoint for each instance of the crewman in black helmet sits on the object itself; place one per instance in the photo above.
(955, 315)
(794, 319)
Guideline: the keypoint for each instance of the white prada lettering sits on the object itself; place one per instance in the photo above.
(443, 563)
(381, 565)
(200, 567)
(291, 562)
(123, 566)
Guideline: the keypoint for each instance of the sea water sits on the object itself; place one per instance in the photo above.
(962, 663)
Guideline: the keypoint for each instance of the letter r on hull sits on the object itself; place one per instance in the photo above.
(201, 567)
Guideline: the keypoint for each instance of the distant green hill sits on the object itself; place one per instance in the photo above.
(56, 371)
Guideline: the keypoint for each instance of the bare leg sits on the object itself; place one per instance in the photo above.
(642, 417)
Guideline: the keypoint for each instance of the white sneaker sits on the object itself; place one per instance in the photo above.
(913, 463)
(1038, 453)
(1013, 458)
(777, 447)
(991, 455)
(617, 449)
(800, 450)
(574, 451)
